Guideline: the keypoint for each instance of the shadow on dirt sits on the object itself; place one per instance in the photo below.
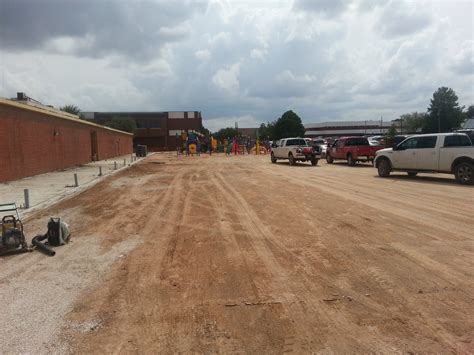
(420, 179)
(358, 165)
(297, 165)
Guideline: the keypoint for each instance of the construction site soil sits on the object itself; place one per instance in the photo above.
(235, 254)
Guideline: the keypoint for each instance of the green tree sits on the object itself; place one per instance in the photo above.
(71, 109)
(267, 130)
(470, 112)
(205, 131)
(125, 124)
(288, 125)
(412, 122)
(226, 133)
(444, 112)
(392, 132)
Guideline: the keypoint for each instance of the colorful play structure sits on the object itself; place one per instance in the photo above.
(194, 143)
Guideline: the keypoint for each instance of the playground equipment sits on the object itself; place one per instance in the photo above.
(192, 142)
(261, 150)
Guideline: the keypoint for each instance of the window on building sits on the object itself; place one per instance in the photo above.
(148, 123)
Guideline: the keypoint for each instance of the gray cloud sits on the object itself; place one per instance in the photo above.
(94, 28)
(369, 5)
(236, 61)
(401, 19)
(323, 7)
(463, 61)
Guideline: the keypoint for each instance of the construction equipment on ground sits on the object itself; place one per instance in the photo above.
(57, 234)
(12, 239)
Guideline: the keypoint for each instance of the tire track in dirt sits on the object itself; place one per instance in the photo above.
(303, 285)
(401, 207)
(273, 286)
(120, 294)
(216, 274)
(400, 295)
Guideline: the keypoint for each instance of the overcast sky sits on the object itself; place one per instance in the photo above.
(244, 61)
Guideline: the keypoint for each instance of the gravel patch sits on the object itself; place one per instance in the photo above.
(37, 292)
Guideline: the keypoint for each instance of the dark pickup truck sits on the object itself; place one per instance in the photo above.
(352, 149)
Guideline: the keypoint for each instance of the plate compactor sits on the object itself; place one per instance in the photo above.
(13, 239)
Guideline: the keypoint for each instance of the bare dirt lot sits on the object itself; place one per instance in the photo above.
(235, 254)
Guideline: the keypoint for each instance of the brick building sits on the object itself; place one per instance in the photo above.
(36, 139)
(156, 130)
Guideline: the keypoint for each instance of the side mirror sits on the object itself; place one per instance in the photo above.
(274, 145)
(398, 147)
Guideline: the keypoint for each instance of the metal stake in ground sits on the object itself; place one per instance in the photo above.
(115, 165)
(100, 171)
(26, 192)
(76, 182)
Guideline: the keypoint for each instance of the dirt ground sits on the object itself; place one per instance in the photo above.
(235, 254)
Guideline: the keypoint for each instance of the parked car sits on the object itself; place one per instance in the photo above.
(294, 149)
(316, 147)
(323, 147)
(352, 149)
(449, 153)
(376, 140)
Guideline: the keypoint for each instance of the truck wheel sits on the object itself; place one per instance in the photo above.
(291, 159)
(383, 168)
(464, 173)
(350, 160)
(314, 161)
(412, 173)
(272, 157)
(329, 159)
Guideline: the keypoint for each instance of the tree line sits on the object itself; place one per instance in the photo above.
(444, 114)
(288, 125)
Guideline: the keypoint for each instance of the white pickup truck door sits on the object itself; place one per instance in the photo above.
(405, 158)
(281, 151)
(427, 155)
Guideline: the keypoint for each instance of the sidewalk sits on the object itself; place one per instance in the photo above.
(48, 188)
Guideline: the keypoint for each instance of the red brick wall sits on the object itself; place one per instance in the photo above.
(29, 145)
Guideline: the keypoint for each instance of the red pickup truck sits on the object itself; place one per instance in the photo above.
(352, 149)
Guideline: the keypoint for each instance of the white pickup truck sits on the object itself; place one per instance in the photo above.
(294, 149)
(449, 153)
